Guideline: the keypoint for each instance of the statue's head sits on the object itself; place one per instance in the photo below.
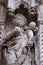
(19, 20)
(29, 33)
(32, 25)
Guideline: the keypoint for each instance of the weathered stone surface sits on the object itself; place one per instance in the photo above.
(21, 40)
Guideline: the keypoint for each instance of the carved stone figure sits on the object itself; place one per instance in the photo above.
(21, 32)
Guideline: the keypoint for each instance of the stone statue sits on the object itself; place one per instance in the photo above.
(19, 50)
(23, 43)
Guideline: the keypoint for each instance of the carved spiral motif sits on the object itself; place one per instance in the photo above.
(41, 43)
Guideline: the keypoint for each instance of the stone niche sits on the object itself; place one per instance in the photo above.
(19, 16)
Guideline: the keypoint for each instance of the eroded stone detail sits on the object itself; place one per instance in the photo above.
(23, 44)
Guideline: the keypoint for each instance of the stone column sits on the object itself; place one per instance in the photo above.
(2, 28)
(40, 33)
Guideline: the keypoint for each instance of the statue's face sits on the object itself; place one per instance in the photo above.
(20, 20)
